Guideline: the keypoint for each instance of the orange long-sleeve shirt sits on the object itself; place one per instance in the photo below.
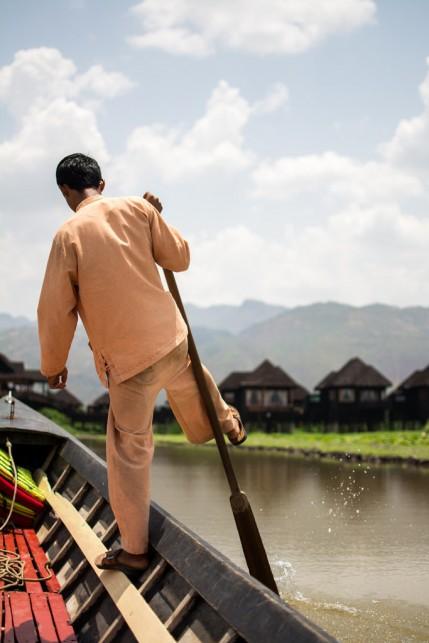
(102, 267)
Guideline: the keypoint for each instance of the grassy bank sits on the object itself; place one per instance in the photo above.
(401, 444)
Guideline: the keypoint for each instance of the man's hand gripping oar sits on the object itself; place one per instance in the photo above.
(251, 541)
(59, 380)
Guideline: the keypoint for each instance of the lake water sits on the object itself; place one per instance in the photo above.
(348, 543)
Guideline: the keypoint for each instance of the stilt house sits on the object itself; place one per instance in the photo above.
(356, 394)
(27, 385)
(266, 395)
(100, 406)
(410, 401)
(66, 401)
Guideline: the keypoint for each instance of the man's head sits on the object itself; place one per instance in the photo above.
(78, 177)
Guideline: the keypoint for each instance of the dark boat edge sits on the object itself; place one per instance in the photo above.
(252, 610)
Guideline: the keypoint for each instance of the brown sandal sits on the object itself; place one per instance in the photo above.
(109, 560)
(234, 437)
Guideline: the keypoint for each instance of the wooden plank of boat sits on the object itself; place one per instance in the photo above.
(142, 621)
(8, 635)
(32, 585)
(61, 619)
(43, 618)
(40, 560)
(117, 624)
(22, 617)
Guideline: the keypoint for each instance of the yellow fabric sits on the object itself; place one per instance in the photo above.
(102, 266)
(5, 502)
(25, 479)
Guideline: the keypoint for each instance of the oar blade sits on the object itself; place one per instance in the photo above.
(251, 541)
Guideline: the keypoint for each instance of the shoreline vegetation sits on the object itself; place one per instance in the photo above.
(384, 446)
(399, 447)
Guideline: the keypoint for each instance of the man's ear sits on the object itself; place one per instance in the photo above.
(101, 185)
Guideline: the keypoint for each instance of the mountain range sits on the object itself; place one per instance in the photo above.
(9, 321)
(307, 341)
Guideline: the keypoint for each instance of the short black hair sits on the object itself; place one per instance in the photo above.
(78, 172)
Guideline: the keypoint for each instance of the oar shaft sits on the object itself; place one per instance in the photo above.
(251, 541)
(203, 388)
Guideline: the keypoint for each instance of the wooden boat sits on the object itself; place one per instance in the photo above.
(190, 592)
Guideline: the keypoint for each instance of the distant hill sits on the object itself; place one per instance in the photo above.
(233, 319)
(307, 341)
(9, 321)
(311, 340)
(22, 344)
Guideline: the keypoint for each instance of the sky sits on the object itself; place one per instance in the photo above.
(288, 142)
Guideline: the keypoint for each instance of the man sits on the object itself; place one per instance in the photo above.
(102, 267)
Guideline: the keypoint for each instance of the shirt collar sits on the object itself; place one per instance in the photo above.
(88, 200)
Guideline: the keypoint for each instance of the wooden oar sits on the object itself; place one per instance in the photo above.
(251, 541)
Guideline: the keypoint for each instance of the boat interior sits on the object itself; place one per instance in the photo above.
(189, 593)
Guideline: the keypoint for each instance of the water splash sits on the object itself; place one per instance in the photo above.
(289, 590)
(286, 576)
(345, 494)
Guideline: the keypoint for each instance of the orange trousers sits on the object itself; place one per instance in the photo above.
(129, 443)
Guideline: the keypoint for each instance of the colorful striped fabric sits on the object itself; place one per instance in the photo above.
(25, 479)
(29, 500)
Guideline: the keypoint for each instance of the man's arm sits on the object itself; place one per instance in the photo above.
(170, 249)
(57, 310)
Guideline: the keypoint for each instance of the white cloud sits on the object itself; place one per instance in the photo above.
(270, 27)
(38, 76)
(358, 255)
(409, 146)
(49, 131)
(46, 134)
(50, 101)
(101, 83)
(400, 170)
(215, 143)
(365, 240)
(364, 243)
(276, 98)
(333, 176)
(22, 261)
(48, 97)
(173, 41)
